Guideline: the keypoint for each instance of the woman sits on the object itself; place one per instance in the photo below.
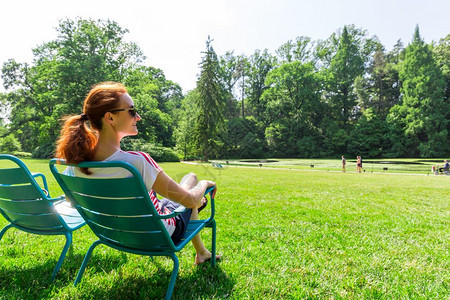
(358, 164)
(108, 116)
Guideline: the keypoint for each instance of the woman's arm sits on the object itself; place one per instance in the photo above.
(168, 188)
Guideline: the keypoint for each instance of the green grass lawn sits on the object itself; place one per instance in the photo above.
(283, 234)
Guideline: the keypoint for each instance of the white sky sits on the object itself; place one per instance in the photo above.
(172, 33)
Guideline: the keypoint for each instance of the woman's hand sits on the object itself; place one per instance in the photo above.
(208, 183)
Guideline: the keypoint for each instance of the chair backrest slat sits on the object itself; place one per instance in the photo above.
(107, 187)
(145, 240)
(34, 207)
(41, 222)
(111, 206)
(13, 176)
(124, 223)
(19, 192)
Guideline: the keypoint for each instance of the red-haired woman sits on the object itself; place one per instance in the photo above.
(108, 116)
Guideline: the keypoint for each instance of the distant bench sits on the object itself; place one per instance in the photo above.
(216, 165)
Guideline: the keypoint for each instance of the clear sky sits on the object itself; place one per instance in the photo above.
(172, 33)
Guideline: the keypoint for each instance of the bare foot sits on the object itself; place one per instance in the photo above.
(204, 203)
(203, 257)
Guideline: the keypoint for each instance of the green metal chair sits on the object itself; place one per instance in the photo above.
(119, 211)
(28, 207)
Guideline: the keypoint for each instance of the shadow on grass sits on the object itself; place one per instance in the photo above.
(205, 282)
(105, 279)
(26, 283)
(22, 282)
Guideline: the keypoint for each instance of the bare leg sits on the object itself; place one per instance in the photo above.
(189, 181)
(202, 253)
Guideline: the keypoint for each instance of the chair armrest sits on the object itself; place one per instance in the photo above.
(212, 193)
(44, 181)
(177, 211)
(57, 199)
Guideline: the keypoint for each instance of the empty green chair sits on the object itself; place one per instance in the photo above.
(28, 207)
(120, 213)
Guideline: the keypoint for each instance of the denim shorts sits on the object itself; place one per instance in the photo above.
(182, 219)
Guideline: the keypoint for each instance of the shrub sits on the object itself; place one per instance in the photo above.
(44, 151)
(161, 154)
(21, 154)
(158, 153)
(10, 144)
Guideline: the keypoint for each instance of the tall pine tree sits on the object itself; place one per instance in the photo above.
(423, 111)
(346, 65)
(210, 104)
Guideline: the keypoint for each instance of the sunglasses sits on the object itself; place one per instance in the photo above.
(132, 111)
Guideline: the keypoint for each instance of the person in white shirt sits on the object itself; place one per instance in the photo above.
(108, 116)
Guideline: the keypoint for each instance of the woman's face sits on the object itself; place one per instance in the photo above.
(125, 117)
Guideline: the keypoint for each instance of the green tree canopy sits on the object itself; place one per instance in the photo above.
(293, 109)
(85, 52)
(423, 111)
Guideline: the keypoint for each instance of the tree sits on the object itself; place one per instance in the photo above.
(89, 52)
(158, 101)
(294, 109)
(369, 136)
(342, 59)
(85, 52)
(10, 144)
(185, 131)
(4, 111)
(441, 52)
(300, 50)
(231, 71)
(260, 65)
(423, 111)
(346, 65)
(243, 139)
(210, 104)
(379, 89)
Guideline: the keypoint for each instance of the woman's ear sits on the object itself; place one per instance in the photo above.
(109, 118)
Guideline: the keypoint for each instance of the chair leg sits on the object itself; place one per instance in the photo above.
(173, 277)
(4, 230)
(63, 254)
(85, 261)
(213, 246)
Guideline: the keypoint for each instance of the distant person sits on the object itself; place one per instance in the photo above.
(445, 166)
(358, 164)
(344, 162)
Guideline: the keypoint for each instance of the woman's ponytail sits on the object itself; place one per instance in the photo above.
(76, 141)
